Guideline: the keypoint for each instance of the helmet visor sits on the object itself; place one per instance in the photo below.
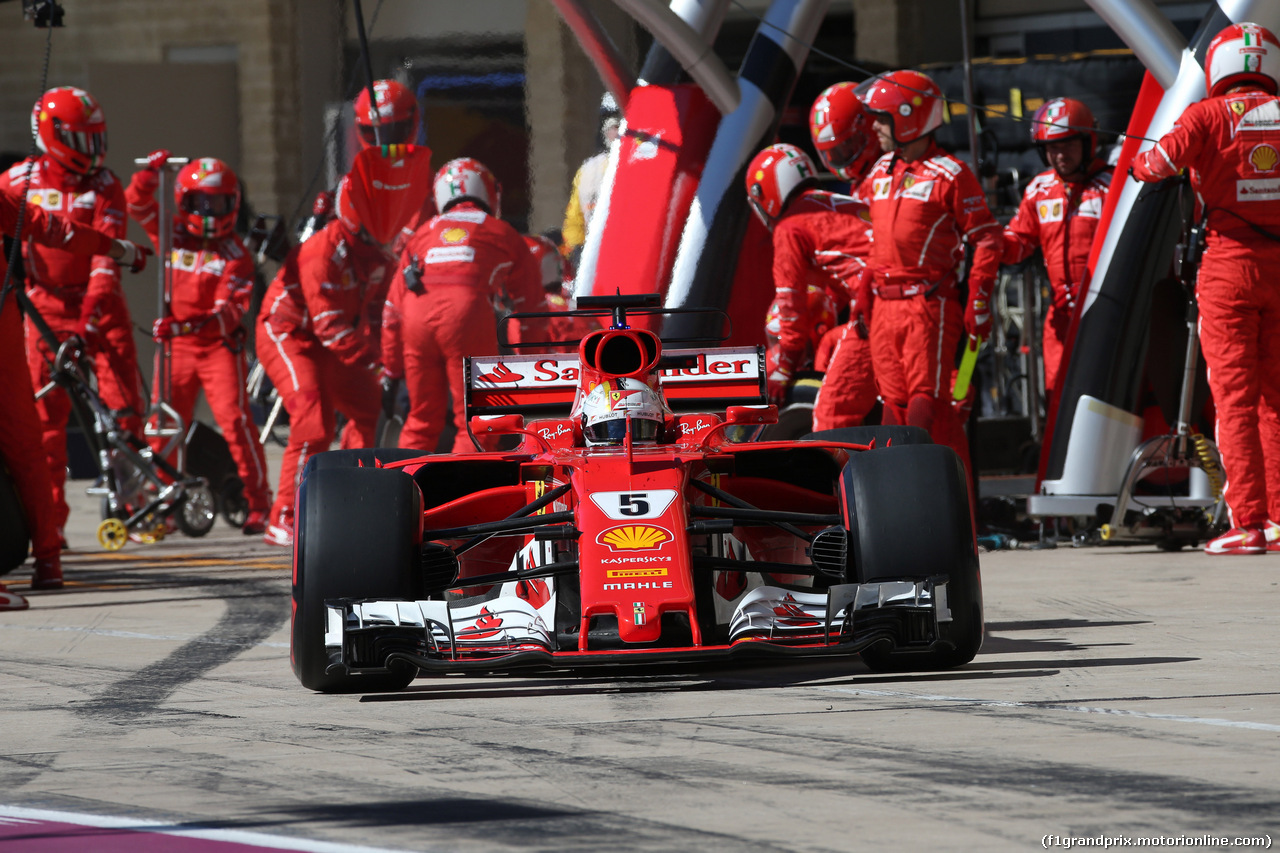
(846, 151)
(209, 204)
(615, 430)
(89, 144)
(392, 132)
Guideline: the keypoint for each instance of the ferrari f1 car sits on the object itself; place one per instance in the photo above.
(624, 529)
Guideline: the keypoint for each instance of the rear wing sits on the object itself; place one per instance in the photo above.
(545, 384)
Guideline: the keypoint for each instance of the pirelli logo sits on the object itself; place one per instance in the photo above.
(627, 574)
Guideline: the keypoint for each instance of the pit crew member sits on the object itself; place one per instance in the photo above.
(76, 294)
(1059, 214)
(212, 281)
(1231, 143)
(925, 205)
(456, 272)
(819, 238)
(315, 342)
(20, 426)
(399, 122)
(588, 180)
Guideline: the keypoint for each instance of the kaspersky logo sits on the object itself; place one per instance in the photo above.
(634, 537)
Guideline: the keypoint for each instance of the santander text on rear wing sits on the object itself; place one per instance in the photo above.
(545, 383)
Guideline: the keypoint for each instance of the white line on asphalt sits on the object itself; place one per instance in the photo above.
(1079, 709)
(134, 635)
(233, 836)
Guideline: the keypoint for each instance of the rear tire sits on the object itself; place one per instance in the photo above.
(882, 434)
(357, 538)
(908, 514)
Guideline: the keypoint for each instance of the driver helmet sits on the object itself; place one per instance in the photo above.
(615, 403)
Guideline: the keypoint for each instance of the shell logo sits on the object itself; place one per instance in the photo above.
(1264, 158)
(454, 235)
(634, 537)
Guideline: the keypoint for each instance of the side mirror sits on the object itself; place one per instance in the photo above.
(497, 424)
(738, 415)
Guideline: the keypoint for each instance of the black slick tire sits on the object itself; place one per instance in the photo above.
(907, 510)
(357, 538)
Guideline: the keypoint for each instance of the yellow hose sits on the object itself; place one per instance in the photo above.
(1208, 464)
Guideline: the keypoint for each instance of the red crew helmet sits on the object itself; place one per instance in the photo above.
(840, 127)
(1242, 53)
(207, 196)
(911, 101)
(397, 114)
(773, 176)
(1063, 119)
(467, 179)
(68, 125)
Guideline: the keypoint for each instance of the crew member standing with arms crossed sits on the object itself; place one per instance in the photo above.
(925, 205)
(1231, 143)
(1059, 214)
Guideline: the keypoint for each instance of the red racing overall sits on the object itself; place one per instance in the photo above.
(315, 341)
(823, 238)
(923, 213)
(1231, 144)
(212, 284)
(77, 294)
(1058, 217)
(468, 262)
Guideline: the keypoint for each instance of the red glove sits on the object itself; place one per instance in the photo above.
(780, 369)
(146, 179)
(87, 330)
(860, 307)
(167, 328)
(977, 317)
(156, 159)
(323, 205)
(1151, 166)
(132, 255)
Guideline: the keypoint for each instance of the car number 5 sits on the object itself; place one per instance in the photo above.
(629, 506)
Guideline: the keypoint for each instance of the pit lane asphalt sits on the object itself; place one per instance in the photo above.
(1121, 691)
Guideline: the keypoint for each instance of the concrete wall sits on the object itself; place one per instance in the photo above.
(563, 91)
(270, 66)
(908, 32)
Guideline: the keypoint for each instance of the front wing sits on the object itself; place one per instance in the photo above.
(507, 632)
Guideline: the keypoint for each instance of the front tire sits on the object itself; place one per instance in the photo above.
(357, 538)
(907, 509)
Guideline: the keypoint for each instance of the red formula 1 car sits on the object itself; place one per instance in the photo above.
(622, 530)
